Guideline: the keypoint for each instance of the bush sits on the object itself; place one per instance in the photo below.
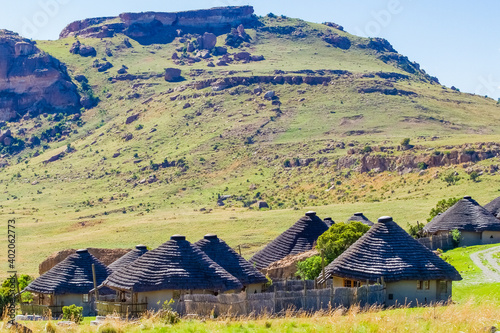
(108, 328)
(366, 149)
(339, 237)
(451, 178)
(405, 142)
(271, 15)
(167, 314)
(310, 268)
(417, 230)
(422, 165)
(73, 313)
(456, 236)
(50, 327)
(474, 176)
(441, 207)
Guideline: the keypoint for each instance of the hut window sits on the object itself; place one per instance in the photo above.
(85, 298)
(426, 285)
(391, 296)
(348, 283)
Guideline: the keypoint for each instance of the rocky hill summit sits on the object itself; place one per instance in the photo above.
(155, 27)
(32, 81)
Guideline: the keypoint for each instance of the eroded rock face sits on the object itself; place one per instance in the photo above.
(31, 81)
(151, 27)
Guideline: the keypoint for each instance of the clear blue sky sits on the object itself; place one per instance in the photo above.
(457, 41)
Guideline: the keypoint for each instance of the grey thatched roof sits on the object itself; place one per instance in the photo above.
(128, 258)
(73, 275)
(359, 217)
(387, 251)
(465, 215)
(231, 261)
(494, 207)
(298, 238)
(328, 221)
(174, 265)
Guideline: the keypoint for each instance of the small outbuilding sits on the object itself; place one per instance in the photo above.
(476, 224)
(411, 273)
(252, 280)
(298, 238)
(360, 217)
(174, 268)
(69, 282)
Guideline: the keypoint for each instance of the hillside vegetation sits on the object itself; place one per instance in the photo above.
(96, 180)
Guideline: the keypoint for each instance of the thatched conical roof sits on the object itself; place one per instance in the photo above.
(465, 215)
(388, 251)
(298, 238)
(328, 221)
(73, 275)
(359, 217)
(494, 207)
(128, 258)
(175, 265)
(231, 261)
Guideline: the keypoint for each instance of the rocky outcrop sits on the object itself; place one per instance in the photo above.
(106, 256)
(151, 27)
(31, 81)
(341, 42)
(409, 162)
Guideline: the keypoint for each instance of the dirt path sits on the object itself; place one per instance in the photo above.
(491, 275)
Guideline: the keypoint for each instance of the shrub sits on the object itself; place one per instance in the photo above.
(456, 236)
(339, 237)
(167, 314)
(108, 328)
(310, 268)
(366, 149)
(405, 142)
(73, 313)
(139, 127)
(271, 15)
(441, 207)
(422, 165)
(416, 231)
(50, 327)
(474, 176)
(287, 163)
(451, 178)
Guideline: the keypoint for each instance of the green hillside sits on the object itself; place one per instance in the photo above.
(117, 185)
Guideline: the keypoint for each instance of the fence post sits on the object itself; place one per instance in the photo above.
(305, 294)
(274, 300)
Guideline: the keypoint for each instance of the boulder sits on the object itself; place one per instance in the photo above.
(87, 51)
(102, 67)
(7, 141)
(131, 119)
(75, 48)
(87, 102)
(257, 58)
(175, 56)
(172, 74)
(209, 40)
(242, 56)
(341, 42)
(210, 64)
(220, 50)
(190, 47)
(81, 78)
(122, 70)
(221, 63)
(269, 95)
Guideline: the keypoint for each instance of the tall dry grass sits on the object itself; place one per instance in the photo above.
(470, 316)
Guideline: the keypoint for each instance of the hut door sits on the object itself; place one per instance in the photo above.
(442, 290)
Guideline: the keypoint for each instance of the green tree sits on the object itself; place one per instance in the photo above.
(405, 142)
(416, 230)
(73, 313)
(441, 207)
(339, 237)
(310, 268)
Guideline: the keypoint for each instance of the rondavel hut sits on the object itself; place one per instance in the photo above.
(67, 283)
(494, 207)
(476, 224)
(298, 238)
(360, 217)
(252, 280)
(174, 268)
(328, 221)
(412, 274)
(128, 257)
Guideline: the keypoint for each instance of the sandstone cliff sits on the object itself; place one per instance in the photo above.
(159, 27)
(31, 81)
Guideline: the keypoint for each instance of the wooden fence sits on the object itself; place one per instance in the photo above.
(309, 300)
(443, 242)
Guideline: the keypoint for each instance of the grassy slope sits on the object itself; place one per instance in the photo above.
(90, 198)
